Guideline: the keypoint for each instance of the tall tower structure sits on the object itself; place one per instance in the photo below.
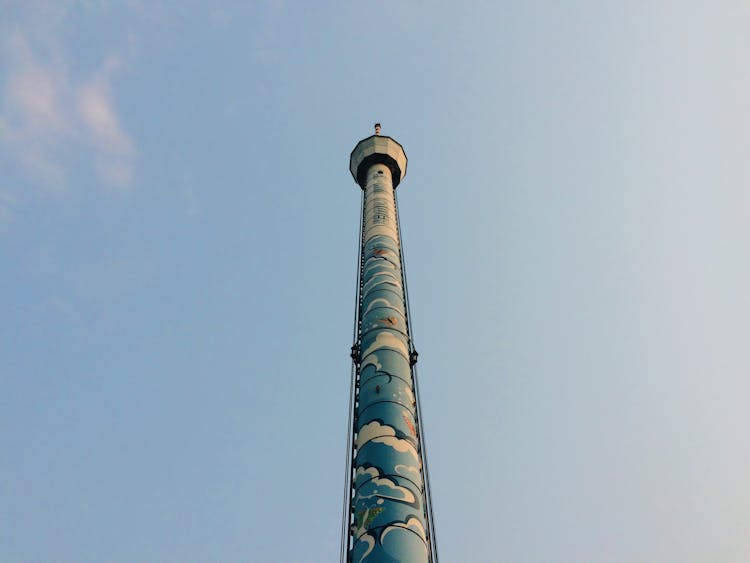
(387, 509)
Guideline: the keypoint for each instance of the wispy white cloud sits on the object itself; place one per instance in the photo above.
(33, 119)
(48, 119)
(34, 91)
(96, 109)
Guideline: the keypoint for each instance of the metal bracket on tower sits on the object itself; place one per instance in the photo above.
(355, 353)
(413, 355)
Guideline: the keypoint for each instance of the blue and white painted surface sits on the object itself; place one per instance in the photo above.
(388, 504)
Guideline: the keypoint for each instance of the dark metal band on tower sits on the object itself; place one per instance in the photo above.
(387, 511)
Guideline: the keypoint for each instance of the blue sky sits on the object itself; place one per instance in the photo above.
(177, 258)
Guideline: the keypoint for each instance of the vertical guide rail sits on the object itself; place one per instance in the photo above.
(432, 538)
(347, 503)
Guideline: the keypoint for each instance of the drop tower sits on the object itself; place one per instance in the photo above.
(387, 513)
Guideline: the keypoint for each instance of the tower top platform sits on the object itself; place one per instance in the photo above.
(377, 149)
